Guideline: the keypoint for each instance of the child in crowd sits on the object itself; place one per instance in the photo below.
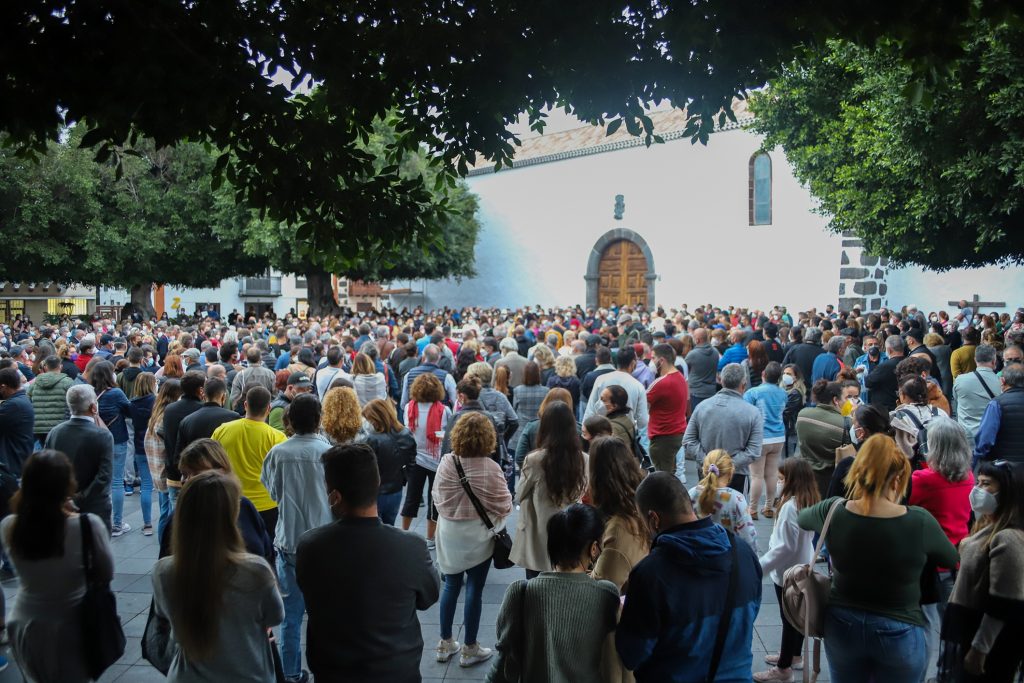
(789, 546)
(726, 506)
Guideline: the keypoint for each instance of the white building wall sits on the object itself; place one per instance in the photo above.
(932, 291)
(690, 204)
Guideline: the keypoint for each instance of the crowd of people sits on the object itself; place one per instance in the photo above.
(289, 457)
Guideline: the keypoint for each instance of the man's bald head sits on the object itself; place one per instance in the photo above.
(700, 336)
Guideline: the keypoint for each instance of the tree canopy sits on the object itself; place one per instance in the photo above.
(929, 177)
(72, 219)
(456, 75)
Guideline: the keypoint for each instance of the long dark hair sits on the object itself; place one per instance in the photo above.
(563, 464)
(799, 483)
(206, 544)
(102, 377)
(47, 481)
(614, 476)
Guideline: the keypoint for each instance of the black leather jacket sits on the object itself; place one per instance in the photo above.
(395, 451)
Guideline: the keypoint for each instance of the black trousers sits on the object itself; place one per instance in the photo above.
(270, 520)
(792, 640)
(418, 475)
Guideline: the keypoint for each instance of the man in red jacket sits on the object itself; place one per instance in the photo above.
(667, 399)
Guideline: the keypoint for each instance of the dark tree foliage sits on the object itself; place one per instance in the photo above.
(456, 74)
(929, 177)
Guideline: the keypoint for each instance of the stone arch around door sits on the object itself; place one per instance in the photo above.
(634, 243)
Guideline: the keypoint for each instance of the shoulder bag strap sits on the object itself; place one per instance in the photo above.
(730, 603)
(824, 529)
(472, 496)
(913, 418)
(87, 552)
(987, 390)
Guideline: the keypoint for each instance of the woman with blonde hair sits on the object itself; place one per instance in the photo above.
(426, 416)
(369, 384)
(395, 449)
(565, 378)
(875, 630)
(219, 599)
(713, 497)
(464, 543)
(545, 360)
(342, 421)
(142, 403)
(67, 364)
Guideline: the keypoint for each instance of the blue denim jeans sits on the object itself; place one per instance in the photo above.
(294, 608)
(868, 648)
(476, 577)
(117, 482)
(163, 499)
(387, 506)
(145, 488)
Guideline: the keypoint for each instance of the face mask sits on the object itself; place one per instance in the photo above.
(853, 435)
(787, 380)
(983, 502)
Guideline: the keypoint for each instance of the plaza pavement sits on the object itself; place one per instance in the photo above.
(134, 555)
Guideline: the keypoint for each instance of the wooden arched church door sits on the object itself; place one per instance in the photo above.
(622, 274)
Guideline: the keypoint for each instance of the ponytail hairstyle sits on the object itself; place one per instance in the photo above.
(718, 470)
(800, 483)
(878, 463)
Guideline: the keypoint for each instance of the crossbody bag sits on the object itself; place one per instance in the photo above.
(502, 540)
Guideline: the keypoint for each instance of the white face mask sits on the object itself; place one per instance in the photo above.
(983, 502)
(853, 435)
(787, 380)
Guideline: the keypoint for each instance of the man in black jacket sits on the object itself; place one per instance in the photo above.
(362, 581)
(192, 394)
(587, 361)
(882, 383)
(803, 354)
(202, 423)
(90, 448)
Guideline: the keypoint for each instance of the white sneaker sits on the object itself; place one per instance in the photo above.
(474, 654)
(446, 649)
(796, 665)
(774, 674)
(121, 530)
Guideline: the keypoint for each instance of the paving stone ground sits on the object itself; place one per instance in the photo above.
(134, 555)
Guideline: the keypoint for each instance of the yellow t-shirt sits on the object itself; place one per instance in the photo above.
(247, 443)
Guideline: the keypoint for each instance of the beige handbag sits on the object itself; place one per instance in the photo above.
(846, 450)
(805, 600)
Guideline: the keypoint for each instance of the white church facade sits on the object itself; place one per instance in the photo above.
(585, 218)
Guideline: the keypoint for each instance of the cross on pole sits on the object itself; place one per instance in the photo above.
(976, 302)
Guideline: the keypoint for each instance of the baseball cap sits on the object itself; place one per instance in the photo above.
(625, 318)
(192, 353)
(299, 379)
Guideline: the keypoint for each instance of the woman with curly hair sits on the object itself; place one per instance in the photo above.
(67, 363)
(426, 417)
(565, 378)
(464, 544)
(545, 360)
(342, 421)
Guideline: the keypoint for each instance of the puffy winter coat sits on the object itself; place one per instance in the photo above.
(47, 394)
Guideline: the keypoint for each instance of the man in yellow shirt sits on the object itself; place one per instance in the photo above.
(247, 442)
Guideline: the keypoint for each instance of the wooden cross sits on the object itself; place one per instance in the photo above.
(977, 302)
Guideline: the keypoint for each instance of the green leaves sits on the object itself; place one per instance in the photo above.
(917, 165)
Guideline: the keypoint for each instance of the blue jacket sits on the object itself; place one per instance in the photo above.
(826, 366)
(17, 417)
(736, 353)
(115, 408)
(771, 400)
(675, 599)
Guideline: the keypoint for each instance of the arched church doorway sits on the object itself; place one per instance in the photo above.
(620, 271)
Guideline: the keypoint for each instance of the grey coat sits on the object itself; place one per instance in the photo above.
(703, 364)
(728, 422)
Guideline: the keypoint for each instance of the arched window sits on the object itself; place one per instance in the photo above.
(760, 189)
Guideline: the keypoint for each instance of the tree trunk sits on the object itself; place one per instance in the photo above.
(141, 301)
(320, 293)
